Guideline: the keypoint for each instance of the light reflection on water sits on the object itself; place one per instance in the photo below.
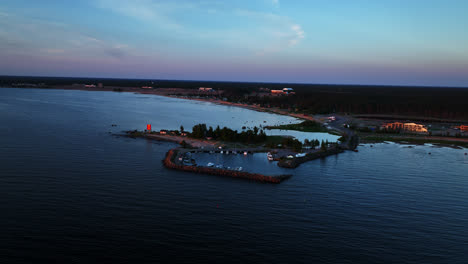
(255, 163)
(70, 192)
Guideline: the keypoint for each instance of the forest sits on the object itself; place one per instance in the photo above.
(422, 102)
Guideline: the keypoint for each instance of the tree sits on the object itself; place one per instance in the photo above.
(255, 130)
(184, 144)
(181, 128)
(323, 146)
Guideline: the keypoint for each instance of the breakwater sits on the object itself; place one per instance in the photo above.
(295, 162)
(169, 163)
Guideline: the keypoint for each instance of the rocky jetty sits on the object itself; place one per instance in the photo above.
(169, 163)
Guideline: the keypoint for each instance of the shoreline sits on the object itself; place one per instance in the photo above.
(166, 92)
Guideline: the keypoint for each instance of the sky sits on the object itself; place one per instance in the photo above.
(390, 42)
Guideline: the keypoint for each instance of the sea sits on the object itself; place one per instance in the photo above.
(73, 191)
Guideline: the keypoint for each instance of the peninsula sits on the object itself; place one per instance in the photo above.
(287, 151)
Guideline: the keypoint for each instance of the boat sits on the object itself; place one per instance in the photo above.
(269, 156)
(210, 164)
(245, 153)
(219, 166)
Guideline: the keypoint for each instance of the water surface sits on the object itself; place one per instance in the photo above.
(72, 193)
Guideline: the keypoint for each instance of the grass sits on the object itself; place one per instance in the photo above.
(368, 139)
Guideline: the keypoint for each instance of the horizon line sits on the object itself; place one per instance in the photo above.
(226, 81)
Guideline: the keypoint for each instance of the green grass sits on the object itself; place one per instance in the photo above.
(412, 140)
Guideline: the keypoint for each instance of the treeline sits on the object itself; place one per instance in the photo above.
(250, 136)
(429, 102)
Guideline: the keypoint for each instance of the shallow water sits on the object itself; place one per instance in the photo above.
(71, 192)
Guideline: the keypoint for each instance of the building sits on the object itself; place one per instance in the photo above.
(90, 86)
(412, 127)
(276, 91)
(163, 132)
(285, 91)
(288, 91)
(463, 128)
(205, 89)
(147, 87)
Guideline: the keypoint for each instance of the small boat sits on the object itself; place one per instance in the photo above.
(221, 152)
(210, 164)
(269, 156)
(219, 166)
(239, 169)
(245, 153)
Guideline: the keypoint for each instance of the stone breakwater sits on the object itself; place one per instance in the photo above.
(169, 163)
(295, 162)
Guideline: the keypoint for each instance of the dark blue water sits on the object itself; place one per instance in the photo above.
(72, 193)
(255, 163)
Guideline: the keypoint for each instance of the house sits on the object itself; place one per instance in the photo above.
(163, 132)
(285, 91)
(276, 91)
(288, 91)
(147, 87)
(205, 89)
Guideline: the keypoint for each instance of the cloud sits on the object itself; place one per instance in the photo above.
(275, 3)
(22, 35)
(157, 13)
(298, 35)
(279, 32)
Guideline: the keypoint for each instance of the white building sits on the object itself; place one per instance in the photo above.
(288, 90)
(205, 89)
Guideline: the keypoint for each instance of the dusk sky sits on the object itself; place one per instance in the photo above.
(395, 42)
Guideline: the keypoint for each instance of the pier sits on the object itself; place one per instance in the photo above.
(170, 161)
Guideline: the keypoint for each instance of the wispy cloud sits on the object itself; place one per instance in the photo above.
(157, 13)
(20, 35)
(298, 35)
(275, 3)
(281, 32)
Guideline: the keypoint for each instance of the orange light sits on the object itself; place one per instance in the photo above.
(148, 127)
